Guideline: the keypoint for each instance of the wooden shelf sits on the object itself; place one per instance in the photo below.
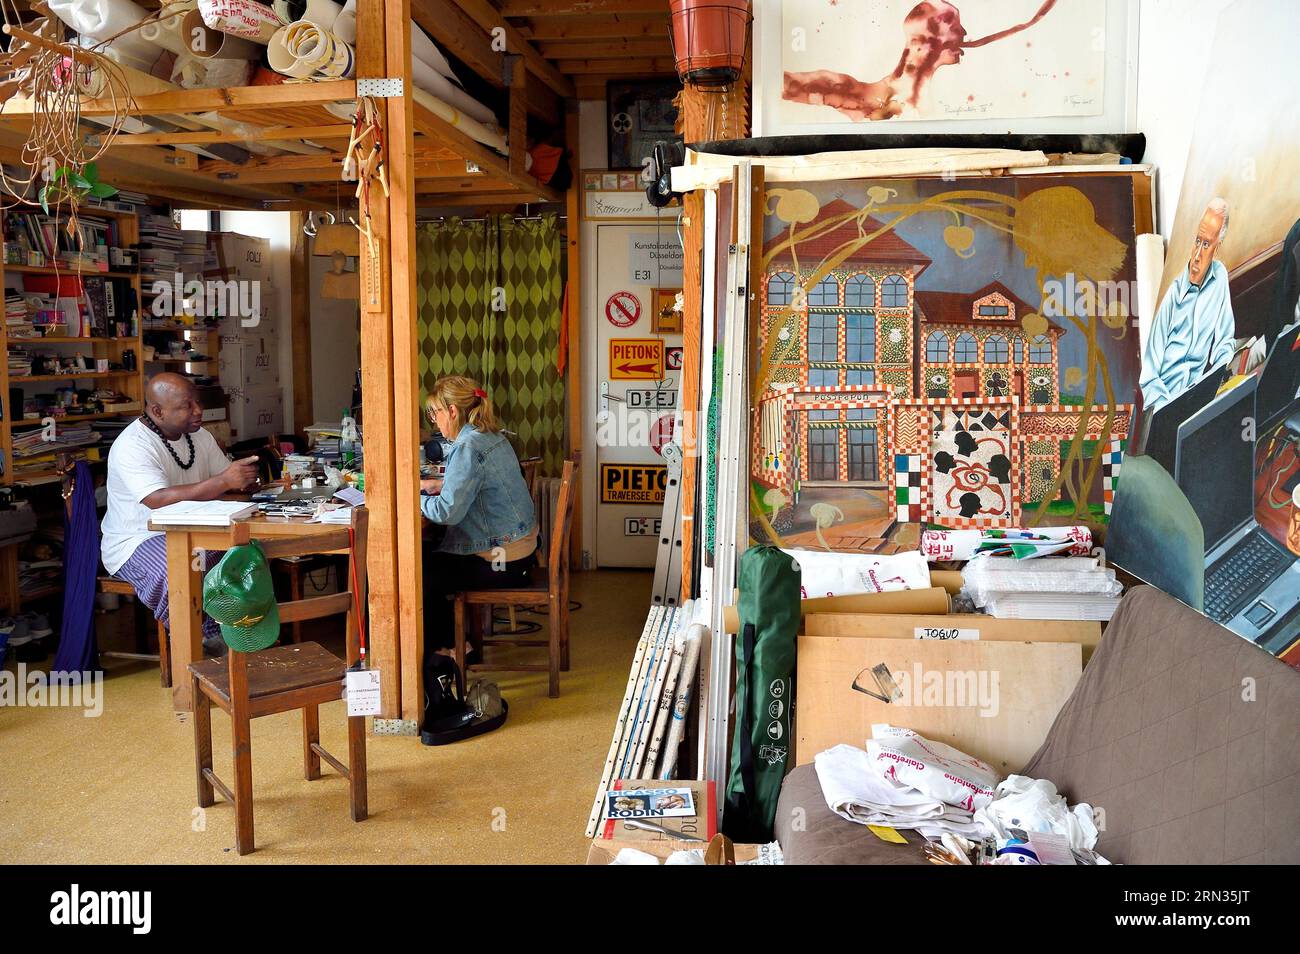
(69, 419)
(23, 379)
(43, 593)
(64, 339)
(67, 271)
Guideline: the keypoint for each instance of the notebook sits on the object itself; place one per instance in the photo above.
(201, 513)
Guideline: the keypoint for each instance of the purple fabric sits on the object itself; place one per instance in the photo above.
(77, 652)
(146, 571)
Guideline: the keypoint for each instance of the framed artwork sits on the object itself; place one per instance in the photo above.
(640, 113)
(933, 353)
(1024, 66)
(665, 312)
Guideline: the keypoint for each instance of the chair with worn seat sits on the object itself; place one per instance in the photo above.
(112, 584)
(551, 594)
(282, 678)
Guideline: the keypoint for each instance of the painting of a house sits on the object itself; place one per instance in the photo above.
(902, 384)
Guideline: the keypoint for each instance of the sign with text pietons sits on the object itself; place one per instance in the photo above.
(636, 359)
(633, 483)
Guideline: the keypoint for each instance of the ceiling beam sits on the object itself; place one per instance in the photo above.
(490, 19)
(594, 28)
(340, 131)
(210, 100)
(607, 48)
(581, 8)
(652, 66)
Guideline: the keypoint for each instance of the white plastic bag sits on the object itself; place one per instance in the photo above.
(1029, 805)
(930, 767)
(824, 573)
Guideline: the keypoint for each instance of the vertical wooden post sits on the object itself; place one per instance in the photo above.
(300, 321)
(400, 143)
(377, 399)
(701, 116)
(573, 363)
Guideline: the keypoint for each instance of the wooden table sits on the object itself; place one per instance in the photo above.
(185, 579)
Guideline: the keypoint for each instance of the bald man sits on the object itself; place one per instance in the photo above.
(163, 458)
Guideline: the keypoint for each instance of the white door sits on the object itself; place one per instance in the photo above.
(634, 389)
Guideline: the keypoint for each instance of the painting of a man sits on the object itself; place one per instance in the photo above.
(1193, 331)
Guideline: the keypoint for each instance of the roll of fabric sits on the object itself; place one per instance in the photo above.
(247, 19)
(132, 57)
(101, 19)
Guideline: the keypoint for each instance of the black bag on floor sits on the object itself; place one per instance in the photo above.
(449, 715)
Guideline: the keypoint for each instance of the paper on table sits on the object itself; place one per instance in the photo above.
(219, 513)
(350, 495)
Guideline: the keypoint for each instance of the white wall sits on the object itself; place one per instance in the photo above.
(1174, 41)
(275, 227)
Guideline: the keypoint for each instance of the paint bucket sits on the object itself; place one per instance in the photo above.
(709, 40)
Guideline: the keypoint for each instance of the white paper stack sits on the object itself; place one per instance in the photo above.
(201, 513)
(1073, 588)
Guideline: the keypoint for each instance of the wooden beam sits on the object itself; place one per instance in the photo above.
(606, 48)
(518, 129)
(573, 292)
(494, 165)
(484, 200)
(377, 401)
(300, 322)
(595, 28)
(185, 101)
(340, 131)
(453, 29)
(491, 20)
(400, 142)
(655, 66)
(543, 9)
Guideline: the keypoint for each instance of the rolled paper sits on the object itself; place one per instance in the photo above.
(345, 27)
(101, 19)
(934, 600)
(430, 80)
(950, 580)
(964, 544)
(489, 135)
(283, 60)
(207, 43)
(323, 13)
(168, 32)
(247, 19)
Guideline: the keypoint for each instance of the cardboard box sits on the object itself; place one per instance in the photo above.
(258, 412)
(250, 364)
(603, 852)
(220, 430)
(244, 256)
(702, 825)
(956, 626)
(995, 700)
(253, 316)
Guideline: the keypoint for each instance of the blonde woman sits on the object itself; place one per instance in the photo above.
(481, 500)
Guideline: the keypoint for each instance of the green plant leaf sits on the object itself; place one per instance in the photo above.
(78, 181)
(91, 172)
(45, 207)
(102, 190)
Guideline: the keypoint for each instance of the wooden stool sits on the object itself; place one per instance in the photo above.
(552, 593)
(111, 584)
(297, 676)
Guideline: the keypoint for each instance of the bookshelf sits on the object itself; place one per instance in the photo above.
(130, 383)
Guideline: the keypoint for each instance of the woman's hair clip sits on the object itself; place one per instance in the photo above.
(480, 393)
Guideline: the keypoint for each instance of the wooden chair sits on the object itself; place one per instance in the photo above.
(552, 593)
(111, 584)
(296, 676)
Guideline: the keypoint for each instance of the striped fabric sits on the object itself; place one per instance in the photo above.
(146, 571)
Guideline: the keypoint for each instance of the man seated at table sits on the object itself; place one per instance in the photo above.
(163, 458)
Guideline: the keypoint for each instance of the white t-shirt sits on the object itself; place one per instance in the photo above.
(138, 464)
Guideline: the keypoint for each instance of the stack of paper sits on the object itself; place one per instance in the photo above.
(1075, 588)
(201, 513)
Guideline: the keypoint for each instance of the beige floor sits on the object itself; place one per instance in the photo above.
(119, 788)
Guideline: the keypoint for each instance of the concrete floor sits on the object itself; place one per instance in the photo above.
(120, 788)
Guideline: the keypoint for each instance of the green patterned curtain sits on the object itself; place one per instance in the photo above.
(489, 307)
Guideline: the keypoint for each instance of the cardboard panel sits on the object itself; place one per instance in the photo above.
(1087, 634)
(993, 700)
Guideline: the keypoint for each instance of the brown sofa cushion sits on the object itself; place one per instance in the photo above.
(1161, 736)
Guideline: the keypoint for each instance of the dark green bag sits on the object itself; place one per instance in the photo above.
(765, 650)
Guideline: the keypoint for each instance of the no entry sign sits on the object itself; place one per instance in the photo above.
(622, 309)
(636, 359)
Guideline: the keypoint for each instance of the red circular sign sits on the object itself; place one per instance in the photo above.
(622, 309)
(661, 435)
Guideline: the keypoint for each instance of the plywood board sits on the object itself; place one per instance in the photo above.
(994, 700)
(1086, 633)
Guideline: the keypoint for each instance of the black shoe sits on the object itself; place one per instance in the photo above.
(214, 646)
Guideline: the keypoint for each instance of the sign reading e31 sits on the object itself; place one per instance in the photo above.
(636, 359)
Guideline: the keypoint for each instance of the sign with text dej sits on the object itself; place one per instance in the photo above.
(636, 359)
(633, 483)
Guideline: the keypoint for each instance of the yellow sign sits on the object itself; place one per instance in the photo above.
(633, 483)
(636, 359)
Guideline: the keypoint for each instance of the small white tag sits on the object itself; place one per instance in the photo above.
(945, 632)
(363, 692)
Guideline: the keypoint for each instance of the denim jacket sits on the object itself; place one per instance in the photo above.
(484, 501)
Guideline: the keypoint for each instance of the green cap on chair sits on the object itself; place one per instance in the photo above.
(239, 594)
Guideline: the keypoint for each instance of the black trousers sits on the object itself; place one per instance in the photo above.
(448, 573)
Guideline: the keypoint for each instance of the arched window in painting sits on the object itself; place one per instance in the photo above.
(995, 350)
(936, 348)
(780, 288)
(826, 293)
(893, 292)
(1018, 349)
(860, 292)
(1040, 350)
(967, 349)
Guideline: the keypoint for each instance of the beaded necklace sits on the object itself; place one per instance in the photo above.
(189, 442)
